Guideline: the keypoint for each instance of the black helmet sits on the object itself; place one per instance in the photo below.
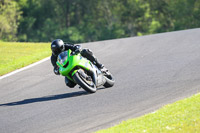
(57, 46)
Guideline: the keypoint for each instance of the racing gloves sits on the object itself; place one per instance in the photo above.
(56, 70)
(77, 49)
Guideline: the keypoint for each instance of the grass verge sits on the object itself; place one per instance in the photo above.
(180, 117)
(15, 55)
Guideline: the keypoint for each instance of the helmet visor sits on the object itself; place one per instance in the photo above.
(56, 51)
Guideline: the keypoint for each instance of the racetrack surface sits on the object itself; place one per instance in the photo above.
(150, 71)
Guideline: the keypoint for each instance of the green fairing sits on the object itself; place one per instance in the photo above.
(74, 61)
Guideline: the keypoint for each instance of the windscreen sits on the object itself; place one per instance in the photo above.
(62, 57)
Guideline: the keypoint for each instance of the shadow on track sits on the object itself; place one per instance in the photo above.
(46, 98)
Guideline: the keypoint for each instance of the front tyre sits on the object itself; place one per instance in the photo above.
(80, 78)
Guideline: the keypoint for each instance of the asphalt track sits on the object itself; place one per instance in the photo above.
(150, 71)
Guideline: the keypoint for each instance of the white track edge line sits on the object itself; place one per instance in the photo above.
(24, 68)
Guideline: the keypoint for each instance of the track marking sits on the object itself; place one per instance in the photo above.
(24, 68)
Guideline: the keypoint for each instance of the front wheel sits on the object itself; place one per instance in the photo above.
(81, 78)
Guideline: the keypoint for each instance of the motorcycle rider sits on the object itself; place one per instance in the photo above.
(58, 46)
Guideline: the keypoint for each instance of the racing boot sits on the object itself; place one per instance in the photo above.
(98, 64)
(101, 67)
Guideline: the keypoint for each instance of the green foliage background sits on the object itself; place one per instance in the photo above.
(91, 20)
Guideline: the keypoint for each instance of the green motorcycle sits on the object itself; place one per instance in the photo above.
(83, 72)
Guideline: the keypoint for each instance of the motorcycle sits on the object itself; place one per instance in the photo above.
(83, 72)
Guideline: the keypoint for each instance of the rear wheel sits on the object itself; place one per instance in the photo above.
(85, 81)
(109, 80)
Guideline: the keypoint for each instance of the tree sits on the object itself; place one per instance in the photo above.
(9, 20)
(88, 20)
